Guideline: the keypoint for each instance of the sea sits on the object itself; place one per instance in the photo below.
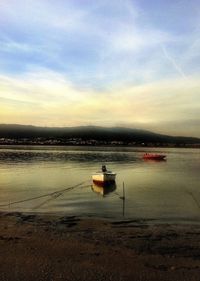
(58, 180)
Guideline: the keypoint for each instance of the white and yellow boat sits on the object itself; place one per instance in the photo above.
(104, 176)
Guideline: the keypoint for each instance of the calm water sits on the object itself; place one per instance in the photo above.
(168, 190)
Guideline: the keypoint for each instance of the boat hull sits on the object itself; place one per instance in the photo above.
(154, 157)
(104, 177)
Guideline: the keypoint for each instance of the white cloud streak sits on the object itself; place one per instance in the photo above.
(56, 101)
(173, 62)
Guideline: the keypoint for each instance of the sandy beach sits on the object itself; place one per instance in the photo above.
(50, 247)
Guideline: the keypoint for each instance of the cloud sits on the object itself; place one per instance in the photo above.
(48, 98)
(173, 62)
(93, 44)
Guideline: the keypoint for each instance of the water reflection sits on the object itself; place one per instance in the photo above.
(37, 156)
(104, 188)
(155, 160)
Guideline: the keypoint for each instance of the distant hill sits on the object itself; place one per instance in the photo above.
(120, 134)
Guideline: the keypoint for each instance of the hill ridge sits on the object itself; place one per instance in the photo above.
(95, 133)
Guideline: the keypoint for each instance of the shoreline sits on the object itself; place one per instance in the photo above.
(60, 247)
(123, 219)
(190, 146)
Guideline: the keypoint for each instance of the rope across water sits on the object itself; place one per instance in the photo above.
(54, 194)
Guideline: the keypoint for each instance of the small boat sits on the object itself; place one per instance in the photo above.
(104, 176)
(151, 156)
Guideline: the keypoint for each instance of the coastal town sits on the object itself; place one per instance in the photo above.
(89, 142)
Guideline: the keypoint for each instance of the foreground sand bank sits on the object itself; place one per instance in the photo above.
(62, 248)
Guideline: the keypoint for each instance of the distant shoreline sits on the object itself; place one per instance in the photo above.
(90, 136)
(102, 145)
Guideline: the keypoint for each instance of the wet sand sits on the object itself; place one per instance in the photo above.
(62, 248)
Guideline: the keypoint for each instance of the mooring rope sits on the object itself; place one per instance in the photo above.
(55, 193)
(195, 200)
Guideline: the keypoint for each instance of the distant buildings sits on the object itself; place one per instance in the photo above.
(88, 142)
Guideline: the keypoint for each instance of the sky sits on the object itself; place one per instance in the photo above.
(130, 63)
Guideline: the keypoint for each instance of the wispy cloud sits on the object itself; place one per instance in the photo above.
(173, 62)
(57, 101)
(94, 44)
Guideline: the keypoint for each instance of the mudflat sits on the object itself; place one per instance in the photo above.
(61, 248)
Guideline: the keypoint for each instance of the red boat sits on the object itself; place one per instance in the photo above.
(150, 156)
